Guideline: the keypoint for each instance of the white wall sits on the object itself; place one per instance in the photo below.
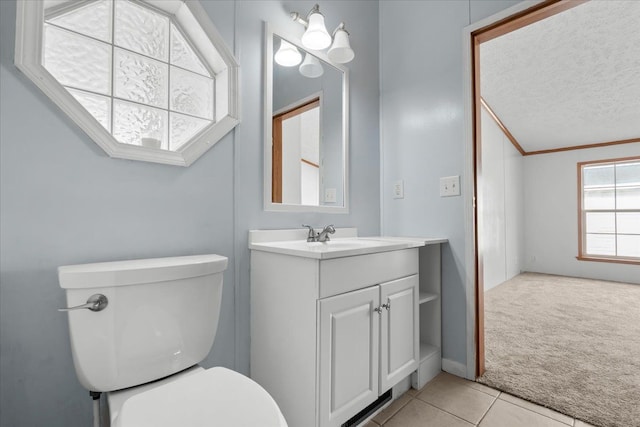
(64, 201)
(291, 135)
(551, 215)
(422, 122)
(500, 206)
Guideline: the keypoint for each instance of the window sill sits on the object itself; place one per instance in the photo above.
(603, 259)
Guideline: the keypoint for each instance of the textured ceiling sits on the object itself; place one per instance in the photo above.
(571, 79)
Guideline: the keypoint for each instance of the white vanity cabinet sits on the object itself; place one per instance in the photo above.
(368, 342)
(328, 336)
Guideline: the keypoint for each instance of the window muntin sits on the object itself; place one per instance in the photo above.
(610, 209)
(132, 69)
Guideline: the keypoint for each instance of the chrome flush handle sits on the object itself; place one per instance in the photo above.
(96, 302)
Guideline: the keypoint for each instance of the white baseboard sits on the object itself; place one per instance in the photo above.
(455, 368)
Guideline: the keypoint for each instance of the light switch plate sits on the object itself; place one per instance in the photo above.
(398, 189)
(330, 195)
(450, 186)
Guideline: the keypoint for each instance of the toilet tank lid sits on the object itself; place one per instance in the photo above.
(131, 272)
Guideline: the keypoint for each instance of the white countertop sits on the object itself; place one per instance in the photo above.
(337, 247)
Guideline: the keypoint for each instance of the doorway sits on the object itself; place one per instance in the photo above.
(296, 155)
(489, 31)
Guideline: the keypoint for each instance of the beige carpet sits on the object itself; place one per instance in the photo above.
(570, 344)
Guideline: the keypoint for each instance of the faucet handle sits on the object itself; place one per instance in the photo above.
(311, 237)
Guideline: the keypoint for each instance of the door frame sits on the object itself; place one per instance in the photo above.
(503, 22)
(276, 148)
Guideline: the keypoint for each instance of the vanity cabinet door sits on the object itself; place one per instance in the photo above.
(349, 344)
(399, 340)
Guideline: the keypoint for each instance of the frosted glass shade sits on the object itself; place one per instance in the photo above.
(311, 67)
(287, 55)
(341, 51)
(316, 37)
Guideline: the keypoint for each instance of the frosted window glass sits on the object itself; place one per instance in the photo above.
(140, 79)
(142, 30)
(601, 244)
(93, 20)
(191, 93)
(600, 222)
(598, 176)
(183, 128)
(628, 246)
(628, 222)
(99, 106)
(77, 61)
(628, 198)
(133, 122)
(130, 66)
(182, 55)
(599, 199)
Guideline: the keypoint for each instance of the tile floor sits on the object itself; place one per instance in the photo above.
(450, 401)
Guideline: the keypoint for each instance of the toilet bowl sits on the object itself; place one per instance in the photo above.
(141, 344)
(211, 397)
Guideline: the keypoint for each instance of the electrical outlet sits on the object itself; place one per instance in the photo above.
(398, 189)
(450, 186)
(330, 195)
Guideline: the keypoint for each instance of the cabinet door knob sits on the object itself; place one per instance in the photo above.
(378, 310)
(387, 306)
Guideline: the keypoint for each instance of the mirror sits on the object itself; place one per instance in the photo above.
(306, 128)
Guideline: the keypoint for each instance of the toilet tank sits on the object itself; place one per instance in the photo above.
(161, 317)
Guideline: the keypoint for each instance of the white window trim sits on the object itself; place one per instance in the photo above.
(582, 224)
(195, 22)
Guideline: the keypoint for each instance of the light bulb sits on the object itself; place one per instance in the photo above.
(341, 51)
(287, 55)
(311, 67)
(316, 37)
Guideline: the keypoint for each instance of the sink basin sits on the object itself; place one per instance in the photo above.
(334, 248)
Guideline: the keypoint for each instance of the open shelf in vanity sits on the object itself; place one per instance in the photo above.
(430, 302)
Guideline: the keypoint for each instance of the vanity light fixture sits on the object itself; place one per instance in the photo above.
(316, 36)
(341, 51)
(287, 55)
(311, 67)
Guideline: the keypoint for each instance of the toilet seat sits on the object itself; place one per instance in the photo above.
(208, 398)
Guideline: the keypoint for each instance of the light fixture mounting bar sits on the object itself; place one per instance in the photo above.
(298, 18)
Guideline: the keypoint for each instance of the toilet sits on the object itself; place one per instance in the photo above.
(138, 330)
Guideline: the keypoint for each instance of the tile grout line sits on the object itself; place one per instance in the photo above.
(482, 391)
(447, 412)
(495, 399)
(538, 413)
(464, 383)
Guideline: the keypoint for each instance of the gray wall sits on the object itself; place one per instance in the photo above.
(551, 219)
(422, 124)
(64, 201)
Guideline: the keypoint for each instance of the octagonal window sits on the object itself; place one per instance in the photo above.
(143, 78)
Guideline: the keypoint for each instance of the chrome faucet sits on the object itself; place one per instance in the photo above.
(322, 236)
